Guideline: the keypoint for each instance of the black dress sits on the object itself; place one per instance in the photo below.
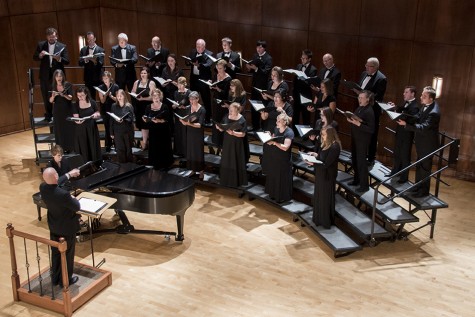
(324, 192)
(219, 112)
(232, 171)
(106, 107)
(279, 180)
(87, 135)
(123, 132)
(195, 157)
(170, 89)
(160, 153)
(140, 105)
(179, 132)
(318, 128)
(283, 87)
(63, 129)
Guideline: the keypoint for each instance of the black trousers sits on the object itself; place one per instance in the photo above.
(56, 258)
(359, 150)
(123, 139)
(45, 86)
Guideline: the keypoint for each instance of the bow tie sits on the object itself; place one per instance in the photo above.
(123, 48)
(369, 75)
(198, 54)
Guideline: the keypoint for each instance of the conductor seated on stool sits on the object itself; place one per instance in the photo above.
(63, 221)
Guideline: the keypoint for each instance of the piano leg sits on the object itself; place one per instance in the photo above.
(180, 219)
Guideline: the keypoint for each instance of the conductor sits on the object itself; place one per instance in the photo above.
(63, 221)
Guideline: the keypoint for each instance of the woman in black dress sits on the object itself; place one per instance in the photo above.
(107, 100)
(219, 91)
(324, 97)
(61, 167)
(142, 88)
(237, 94)
(325, 178)
(160, 153)
(277, 83)
(181, 107)
(195, 157)
(326, 119)
(122, 127)
(279, 178)
(87, 135)
(232, 171)
(61, 97)
(269, 118)
(361, 132)
(171, 72)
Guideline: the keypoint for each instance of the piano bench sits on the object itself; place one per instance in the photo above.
(38, 201)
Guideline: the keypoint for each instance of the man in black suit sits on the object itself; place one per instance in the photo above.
(52, 55)
(374, 80)
(426, 138)
(63, 221)
(159, 55)
(302, 87)
(404, 138)
(125, 74)
(234, 60)
(260, 66)
(91, 57)
(201, 69)
(330, 71)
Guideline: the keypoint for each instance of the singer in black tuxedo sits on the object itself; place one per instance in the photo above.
(426, 138)
(302, 87)
(404, 138)
(93, 67)
(156, 67)
(330, 71)
(125, 74)
(233, 59)
(201, 69)
(260, 66)
(63, 221)
(377, 85)
(48, 64)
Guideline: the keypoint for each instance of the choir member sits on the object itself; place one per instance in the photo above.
(125, 75)
(52, 55)
(324, 97)
(142, 88)
(276, 83)
(325, 178)
(361, 131)
(91, 57)
(87, 135)
(61, 96)
(326, 120)
(157, 65)
(260, 66)
(233, 158)
(170, 72)
(122, 128)
(183, 103)
(237, 93)
(220, 91)
(302, 87)
(107, 98)
(160, 153)
(279, 182)
(233, 60)
(195, 157)
(330, 71)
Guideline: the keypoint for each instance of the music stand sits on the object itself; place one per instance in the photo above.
(93, 206)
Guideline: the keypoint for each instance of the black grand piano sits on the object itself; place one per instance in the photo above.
(140, 189)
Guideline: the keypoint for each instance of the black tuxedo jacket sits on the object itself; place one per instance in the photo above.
(92, 72)
(334, 75)
(46, 72)
(412, 109)
(62, 208)
(205, 64)
(301, 87)
(377, 84)
(426, 130)
(234, 59)
(128, 70)
(260, 77)
(157, 69)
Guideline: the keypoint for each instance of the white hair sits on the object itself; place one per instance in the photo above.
(123, 36)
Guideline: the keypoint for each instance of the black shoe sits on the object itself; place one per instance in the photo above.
(73, 280)
(420, 194)
(362, 189)
(413, 190)
(353, 183)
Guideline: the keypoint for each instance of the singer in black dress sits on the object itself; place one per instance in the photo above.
(232, 171)
(326, 119)
(276, 83)
(142, 88)
(325, 178)
(107, 100)
(181, 97)
(219, 91)
(60, 97)
(195, 157)
(87, 135)
(279, 180)
(122, 131)
(160, 153)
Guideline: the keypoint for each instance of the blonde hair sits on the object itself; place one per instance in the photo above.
(285, 118)
(332, 137)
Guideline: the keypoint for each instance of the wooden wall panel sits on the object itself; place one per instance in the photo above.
(446, 21)
(244, 37)
(150, 25)
(4, 8)
(192, 29)
(285, 46)
(75, 5)
(30, 6)
(203, 9)
(397, 23)
(162, 7)
(286, 14)
(336, 16)
(12, 118)
(240, 11)
(130, 5)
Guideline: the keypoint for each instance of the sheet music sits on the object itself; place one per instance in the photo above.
(91, 205)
